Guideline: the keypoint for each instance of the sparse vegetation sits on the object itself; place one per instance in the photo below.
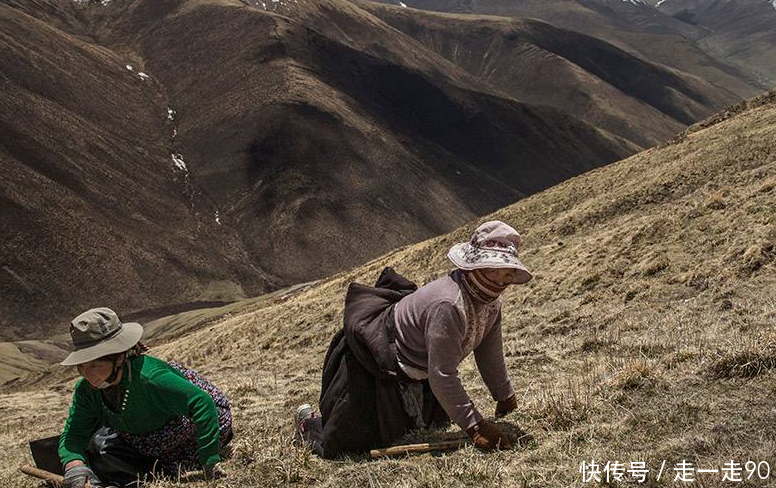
(682, 370)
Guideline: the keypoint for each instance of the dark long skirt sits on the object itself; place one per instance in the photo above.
(174, 445)
(365, 398)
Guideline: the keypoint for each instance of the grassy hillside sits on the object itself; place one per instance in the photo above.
(645, 336)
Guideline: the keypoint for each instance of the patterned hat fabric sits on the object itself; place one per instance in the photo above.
(494, 244)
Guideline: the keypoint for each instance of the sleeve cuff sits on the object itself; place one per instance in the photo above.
(503, 393)
(72, 457)
(470, 420)
(210, 459)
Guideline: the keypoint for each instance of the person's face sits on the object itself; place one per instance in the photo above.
(97, 371)
(500, 276)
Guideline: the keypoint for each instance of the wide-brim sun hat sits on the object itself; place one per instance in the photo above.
(494, 244)
(98, 332)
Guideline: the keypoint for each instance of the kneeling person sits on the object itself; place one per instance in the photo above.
(394, 365)
(132, 413)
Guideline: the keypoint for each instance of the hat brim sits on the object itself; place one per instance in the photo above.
(124, 340)
(465, 256)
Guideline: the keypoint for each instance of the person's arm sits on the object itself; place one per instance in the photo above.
(178, 396)
(490, 361)
(444, 334)
(81, 424)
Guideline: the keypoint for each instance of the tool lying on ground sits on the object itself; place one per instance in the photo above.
(55, 480)
(521, 438)
(419, 448)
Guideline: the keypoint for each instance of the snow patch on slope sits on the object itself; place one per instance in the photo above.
(272, 5)
(638, 3)
(177, 159)
(102, 2)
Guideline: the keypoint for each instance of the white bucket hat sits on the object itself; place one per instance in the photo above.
(99, 332)
(493, 245)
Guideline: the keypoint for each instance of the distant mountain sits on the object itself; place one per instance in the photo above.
(164, 152)
(591, 79)
(651, 33)
(742, 33)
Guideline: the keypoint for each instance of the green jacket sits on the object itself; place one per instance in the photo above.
(155, 394)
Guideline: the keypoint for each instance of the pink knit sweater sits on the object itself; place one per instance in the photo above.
(437, 327)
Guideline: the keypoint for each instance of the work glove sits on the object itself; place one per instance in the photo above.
(78, 476)
(505, 406)
(487, 436)
(213, 472)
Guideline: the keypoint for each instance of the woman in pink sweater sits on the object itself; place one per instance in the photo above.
(394, 365)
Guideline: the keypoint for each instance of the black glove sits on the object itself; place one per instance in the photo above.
(77, 476)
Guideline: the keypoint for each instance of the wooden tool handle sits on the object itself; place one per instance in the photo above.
(418, 448)
(53, 479)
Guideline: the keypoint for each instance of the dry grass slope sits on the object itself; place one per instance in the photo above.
(646, 335)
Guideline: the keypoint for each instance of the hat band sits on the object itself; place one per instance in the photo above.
(83, 344)
(511, 250)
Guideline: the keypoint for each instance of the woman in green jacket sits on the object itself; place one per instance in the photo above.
(132, 413)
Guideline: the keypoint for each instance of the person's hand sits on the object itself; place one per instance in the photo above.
(505, 406)
(487, 436)
(77, 476)
(213, 472)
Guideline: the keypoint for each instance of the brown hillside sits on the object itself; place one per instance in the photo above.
(330, 137)
(93, 205)
(645, 336)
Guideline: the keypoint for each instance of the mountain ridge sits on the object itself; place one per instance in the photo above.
(652, 33)
(233, 141)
